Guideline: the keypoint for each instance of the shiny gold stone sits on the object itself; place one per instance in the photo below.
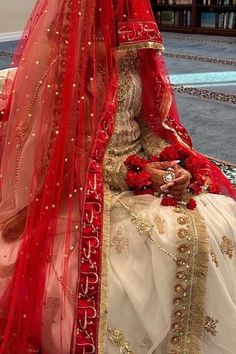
(178, 314)
(176, 210)
(175, 340)
(178, 301)
(182, 220)
(183, 248)
(176, 327)
(182, 233)
(179, 288)
(181, 275)
(181, 262)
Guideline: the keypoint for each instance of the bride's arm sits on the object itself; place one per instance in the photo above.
(115, 171)
(151, 143)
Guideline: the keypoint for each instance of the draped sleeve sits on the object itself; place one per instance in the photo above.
(131, 135)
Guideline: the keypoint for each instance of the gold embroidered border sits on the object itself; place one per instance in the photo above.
(142, 45)
(189, 290)
(105, 272)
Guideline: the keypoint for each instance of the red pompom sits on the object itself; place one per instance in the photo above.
(169, 154)
(174, 152)
(196, 188)
(139, 180)
(135, 163)
(154, 159)
(168, 201)
(191, 204)
(144, 191)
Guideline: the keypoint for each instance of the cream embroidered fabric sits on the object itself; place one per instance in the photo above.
(172, 278)
(131, 135)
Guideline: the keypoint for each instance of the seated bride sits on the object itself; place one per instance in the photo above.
(116, 235)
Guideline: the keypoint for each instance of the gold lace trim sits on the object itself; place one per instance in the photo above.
(143, 45)
(189, 290)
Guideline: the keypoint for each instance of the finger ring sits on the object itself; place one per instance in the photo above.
(168, 176)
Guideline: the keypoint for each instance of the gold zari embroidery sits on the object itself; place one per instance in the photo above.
(213, 257)
(190, 287)
(145, 228)
(144, 45)
(210, 325)
(227, 247)
(119, 242)
(160, 224)
(118, 339)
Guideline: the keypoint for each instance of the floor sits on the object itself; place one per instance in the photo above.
(203, 72)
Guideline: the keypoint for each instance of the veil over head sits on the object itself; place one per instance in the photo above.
(57, 117)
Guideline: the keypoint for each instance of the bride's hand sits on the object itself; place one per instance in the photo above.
(180, 183)
(157, 170)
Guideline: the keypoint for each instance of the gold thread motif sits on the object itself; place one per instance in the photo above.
(145, 228)
(160, 224)
(210, 325)
(227, 247)
(213, 257)
(190, 286)
(147, 342)
(119, 242)
(118, 339)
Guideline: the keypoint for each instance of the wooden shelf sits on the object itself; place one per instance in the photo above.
(221, 8)
(196, 10)
(180, 29)
(173, 7)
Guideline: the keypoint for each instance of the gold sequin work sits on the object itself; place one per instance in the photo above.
(160, 224)
(227, 247)
(190, 284)
(118, 339)
(145, 228)
(210, 325)
(119, 242)
(213, 257)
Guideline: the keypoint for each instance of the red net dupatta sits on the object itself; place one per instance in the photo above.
(57, 117)
(56, 120)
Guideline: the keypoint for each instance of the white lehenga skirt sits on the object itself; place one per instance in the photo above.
(172, 285)
(172, 276)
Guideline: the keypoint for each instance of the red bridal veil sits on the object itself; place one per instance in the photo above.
(57, 117)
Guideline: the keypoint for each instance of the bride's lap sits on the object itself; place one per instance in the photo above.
(142, 275)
